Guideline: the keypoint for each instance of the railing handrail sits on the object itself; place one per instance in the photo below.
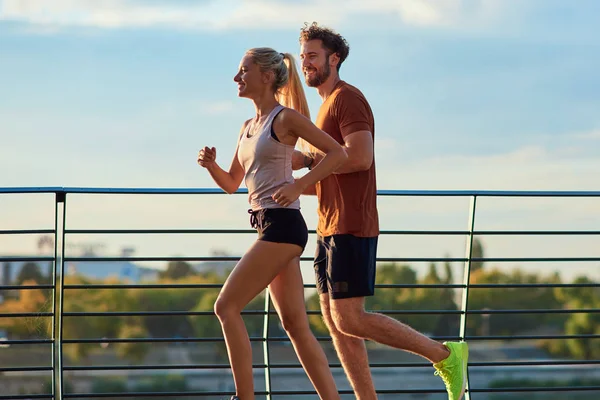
(380, 192)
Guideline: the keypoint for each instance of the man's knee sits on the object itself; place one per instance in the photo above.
(347, 315)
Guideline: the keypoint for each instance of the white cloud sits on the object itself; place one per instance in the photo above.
(236, 14)
(216, 107)
(536, 167)
(591, 135)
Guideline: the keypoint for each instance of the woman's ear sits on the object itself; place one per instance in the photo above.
(268, 77)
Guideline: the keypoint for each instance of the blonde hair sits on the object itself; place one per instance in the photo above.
(287, 85)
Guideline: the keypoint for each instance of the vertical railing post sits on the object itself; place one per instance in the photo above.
(266, 345)
(467, 279)
(58, 282)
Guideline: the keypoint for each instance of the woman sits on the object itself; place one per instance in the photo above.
(263, 158)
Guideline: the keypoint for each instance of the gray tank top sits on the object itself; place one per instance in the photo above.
(267, 163)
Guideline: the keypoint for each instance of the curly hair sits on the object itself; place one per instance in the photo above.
(332, 41)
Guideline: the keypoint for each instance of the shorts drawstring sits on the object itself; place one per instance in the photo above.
(257, 218)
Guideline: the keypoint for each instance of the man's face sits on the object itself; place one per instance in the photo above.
(315, 62)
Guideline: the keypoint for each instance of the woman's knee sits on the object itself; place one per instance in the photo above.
(225, 308)
(295, 325)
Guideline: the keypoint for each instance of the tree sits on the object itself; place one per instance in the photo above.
(177, 270)
(477, 252)
(587, 323)
(512, 298)
(30, 271)
(133, 351)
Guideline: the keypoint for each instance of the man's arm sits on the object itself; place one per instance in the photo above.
(358, 146)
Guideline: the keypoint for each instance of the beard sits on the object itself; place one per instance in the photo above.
(319, 76)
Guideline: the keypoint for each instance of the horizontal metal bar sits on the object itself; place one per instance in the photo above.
(536, 259)
(25, 259)
(26, 231)
(320, 338)
(25, 369)
(24, 315)
(312, 286)
(26, 396)
(418, 193)
(542, 363)
(310, 392)
(33, 189)
(220, 285)
(153, 340)
(537, 311)
(28, 341)
(212, 393)
(531, 285)
(149, 286)
(150, 313)
(80, 314)
(25, 287)
(178, 340)
(538, 389)
(115, 259)
(237, 258)
(379, 259)
(236, 231)
(535, 233)
(531, 337)
(157, 231)
(312, 231)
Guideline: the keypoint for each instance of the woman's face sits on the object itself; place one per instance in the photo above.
(250, 79)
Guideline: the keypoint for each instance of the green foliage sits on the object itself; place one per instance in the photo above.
(202, 300)
(477, 252)
(109, 385)
(134, 351)
(512, 298)
(581, 323)
(169, 383)
(178, 270)
(30, 271)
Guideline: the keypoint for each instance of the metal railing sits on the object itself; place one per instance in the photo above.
(59, 288)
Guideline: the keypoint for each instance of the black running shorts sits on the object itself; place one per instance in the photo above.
(345, 266)
(280, 225)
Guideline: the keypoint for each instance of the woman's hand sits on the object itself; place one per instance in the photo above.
(287, 194)
(207, 157)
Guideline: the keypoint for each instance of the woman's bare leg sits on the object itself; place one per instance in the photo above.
(287, 292)
(252, 274)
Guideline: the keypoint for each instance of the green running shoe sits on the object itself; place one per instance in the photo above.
(453, 370)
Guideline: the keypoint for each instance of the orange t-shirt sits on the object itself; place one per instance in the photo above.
(347, 202)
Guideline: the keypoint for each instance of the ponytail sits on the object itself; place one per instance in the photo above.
(292, 93)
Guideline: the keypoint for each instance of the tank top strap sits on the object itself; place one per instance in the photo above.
(272, 116)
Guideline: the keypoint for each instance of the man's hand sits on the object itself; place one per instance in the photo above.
(207, 157)
(301, 160)
(288, 194)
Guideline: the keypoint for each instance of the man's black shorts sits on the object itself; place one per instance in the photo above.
(280, 225)
(345, 266)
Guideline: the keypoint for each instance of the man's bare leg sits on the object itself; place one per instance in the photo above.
(350, 318)
(353, 356)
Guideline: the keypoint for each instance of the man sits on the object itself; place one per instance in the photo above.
(348, 228)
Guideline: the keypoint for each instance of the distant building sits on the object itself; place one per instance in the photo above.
(122, 270)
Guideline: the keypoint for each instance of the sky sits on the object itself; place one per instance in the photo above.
(467, 95)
